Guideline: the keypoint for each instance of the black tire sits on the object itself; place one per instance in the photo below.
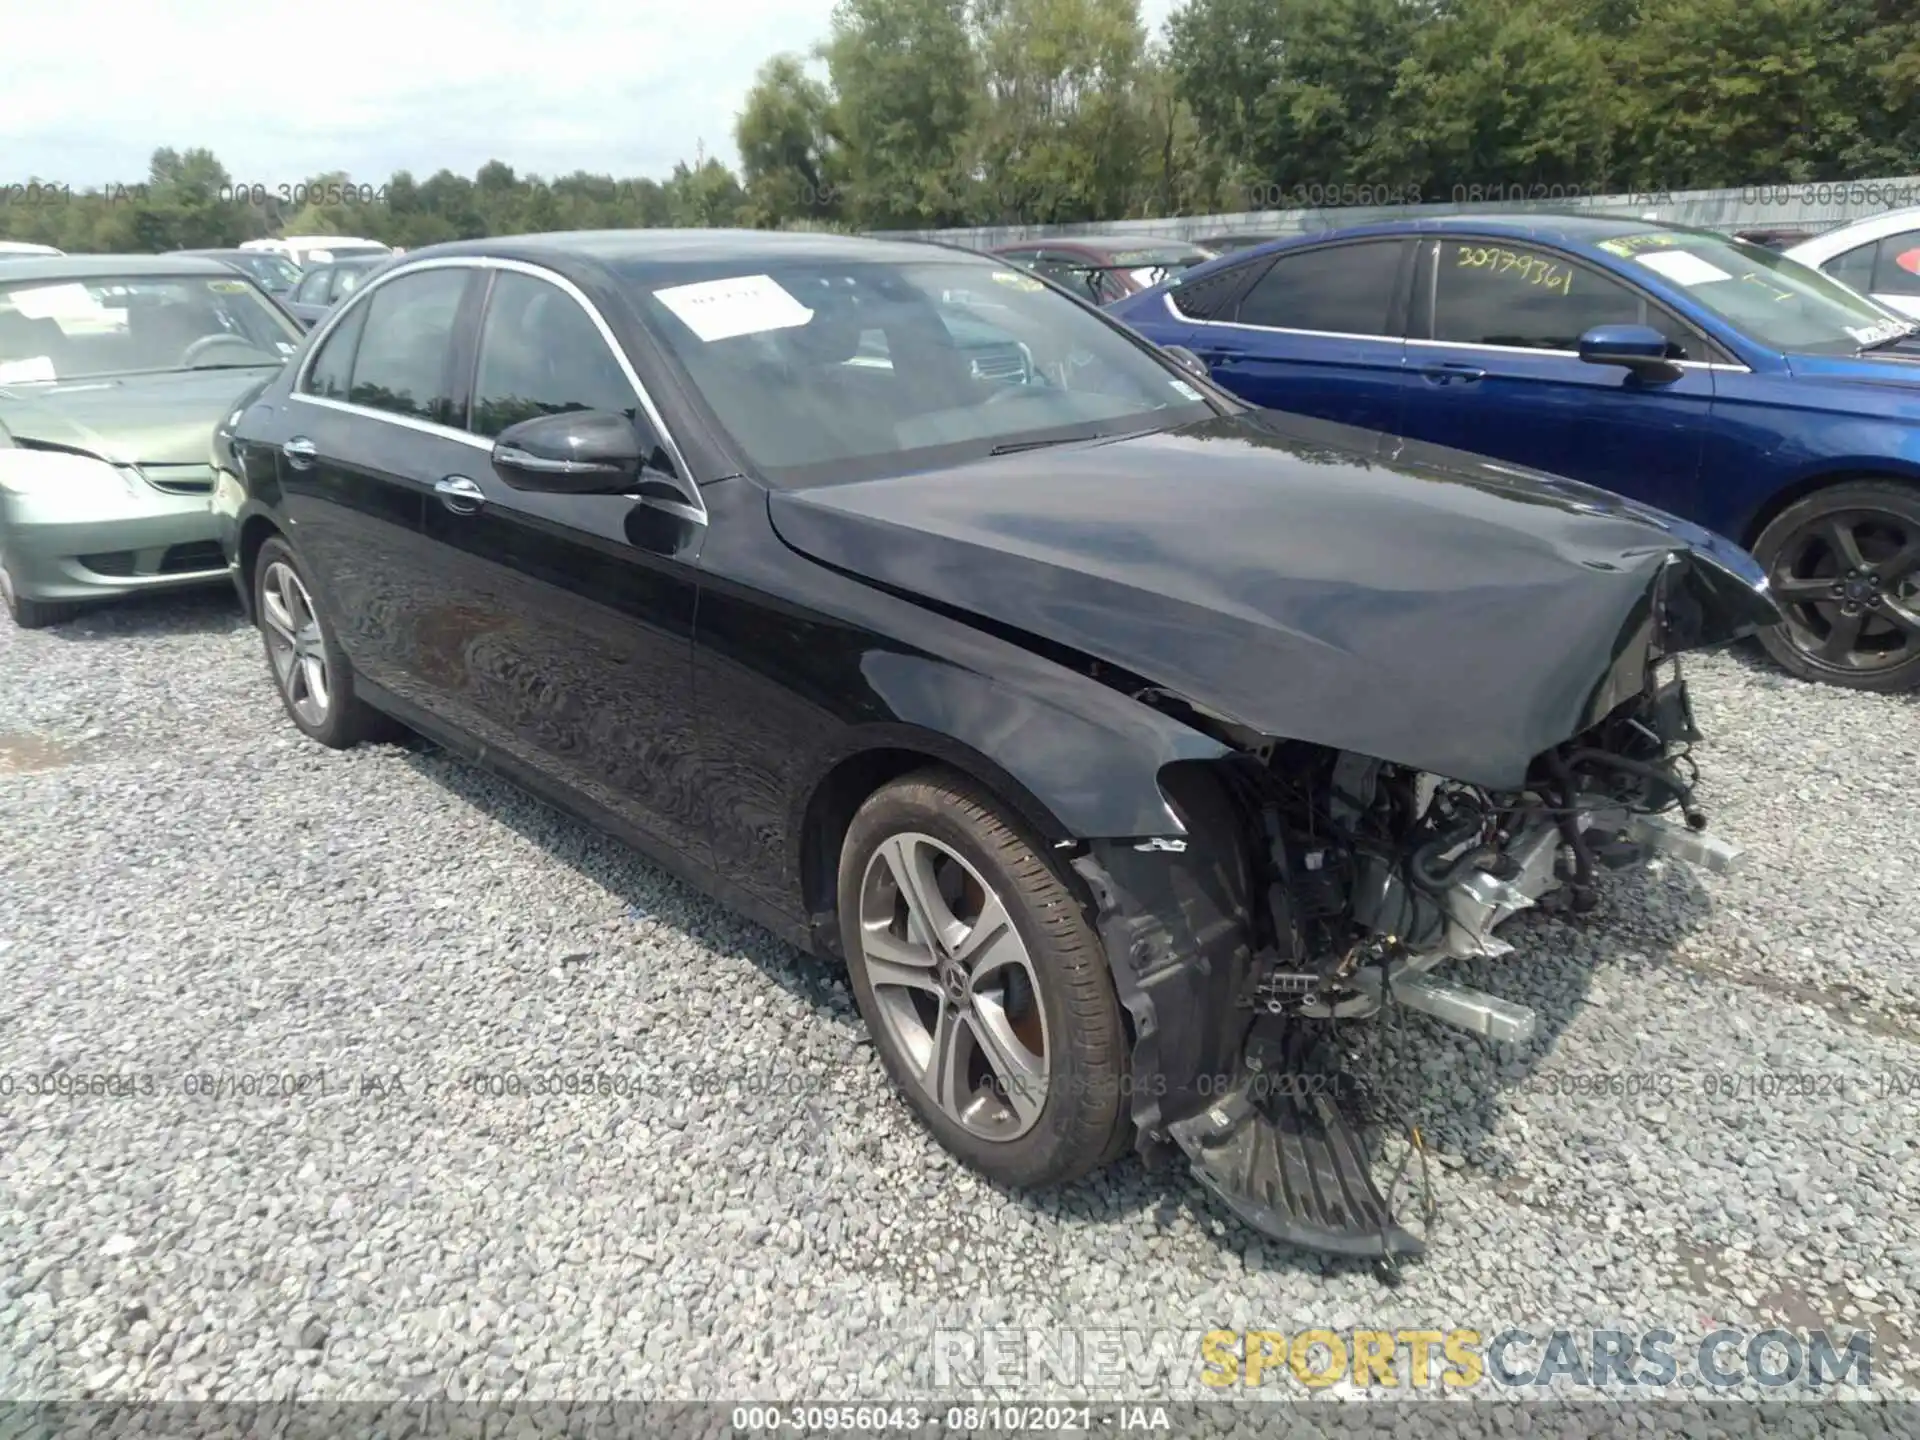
(35, 614)
(1882, 517)
(1084, 1120)
(345, 720)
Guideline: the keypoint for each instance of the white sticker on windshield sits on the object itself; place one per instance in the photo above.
(286, 347)
(1682, 268)
(40, 367)
(1874, 334)
(744, 305)
(53, 302)
(1184, 389)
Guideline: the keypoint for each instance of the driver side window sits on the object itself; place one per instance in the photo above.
(540, 354)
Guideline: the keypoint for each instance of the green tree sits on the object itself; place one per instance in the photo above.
(1062, 135)
(907, 91)
(790, 157)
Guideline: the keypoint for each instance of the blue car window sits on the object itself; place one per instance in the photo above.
(1488, 292)
(1348, 289)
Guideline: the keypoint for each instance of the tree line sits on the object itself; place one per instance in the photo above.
(917, 114)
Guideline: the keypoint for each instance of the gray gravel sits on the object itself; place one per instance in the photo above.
(189, 888)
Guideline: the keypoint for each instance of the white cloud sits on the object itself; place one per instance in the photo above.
(281, 91)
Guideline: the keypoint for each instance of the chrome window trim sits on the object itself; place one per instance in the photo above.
(1174, 311)
(694, 506)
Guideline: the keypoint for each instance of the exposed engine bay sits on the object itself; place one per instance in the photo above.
(1342, 884)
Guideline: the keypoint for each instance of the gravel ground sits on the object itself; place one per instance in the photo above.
(189, 888)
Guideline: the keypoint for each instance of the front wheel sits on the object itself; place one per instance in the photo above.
(982, 983)
(1845, 568)
(309, 668)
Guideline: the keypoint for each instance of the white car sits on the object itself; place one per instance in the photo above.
(1878, 256)
(308, 250)
(24, 250)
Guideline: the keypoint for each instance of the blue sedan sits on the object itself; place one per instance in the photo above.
(1709, 377)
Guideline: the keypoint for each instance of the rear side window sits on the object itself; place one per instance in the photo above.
(1897, 271)
(1349, 289)
(406, 344)
(1854, 269)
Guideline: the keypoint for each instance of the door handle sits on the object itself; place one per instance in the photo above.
(300, 452)
(459, 494)
(1447, 374)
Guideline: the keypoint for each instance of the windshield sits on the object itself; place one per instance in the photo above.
(76, 329)
(826, 371)
(1782, 303)
(275, 272)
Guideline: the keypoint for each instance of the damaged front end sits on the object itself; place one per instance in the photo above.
(1316, 886)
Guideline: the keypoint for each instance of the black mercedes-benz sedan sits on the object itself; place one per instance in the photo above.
(1119, 739)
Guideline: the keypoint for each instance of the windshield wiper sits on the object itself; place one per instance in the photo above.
(1013, 447)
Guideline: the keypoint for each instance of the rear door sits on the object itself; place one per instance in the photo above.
(1319, 333)
(558, 629)
(1495, 369)
(373, 420)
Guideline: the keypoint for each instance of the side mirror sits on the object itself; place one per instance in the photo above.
(1640, 348)
(1187, 360)
(577, 452)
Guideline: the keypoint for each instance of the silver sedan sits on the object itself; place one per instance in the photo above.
(114, 370)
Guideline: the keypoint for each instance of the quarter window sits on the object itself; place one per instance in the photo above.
(540, 354)
(1344, 288)
(405, 345)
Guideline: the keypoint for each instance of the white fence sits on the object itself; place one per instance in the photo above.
(1810, 205)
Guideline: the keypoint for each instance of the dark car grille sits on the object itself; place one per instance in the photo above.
(196, 555)
(111, 562)
(193, 556)
(1007, 362)
(179, 479)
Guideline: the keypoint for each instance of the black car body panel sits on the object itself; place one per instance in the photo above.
(1102, 635)
(1269, 572)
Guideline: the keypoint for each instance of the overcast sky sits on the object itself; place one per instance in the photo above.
(282, 91)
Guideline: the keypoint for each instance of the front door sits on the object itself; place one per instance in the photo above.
(1494, 368)
(560, 630)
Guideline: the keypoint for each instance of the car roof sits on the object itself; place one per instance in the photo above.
(1860, 232)
(643, 252)
(102, 267)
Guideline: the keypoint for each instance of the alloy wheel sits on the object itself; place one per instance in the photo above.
(1849, 586)
(954, 986)
(294, 643)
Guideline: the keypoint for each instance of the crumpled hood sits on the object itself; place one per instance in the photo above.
(1434, 610)
(161, 419)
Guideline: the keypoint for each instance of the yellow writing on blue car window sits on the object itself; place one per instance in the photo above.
(1534, 270)
(1626, 245)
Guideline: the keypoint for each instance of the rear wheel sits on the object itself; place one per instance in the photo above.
(1845, 568)
(982, 983)
(309, 669)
